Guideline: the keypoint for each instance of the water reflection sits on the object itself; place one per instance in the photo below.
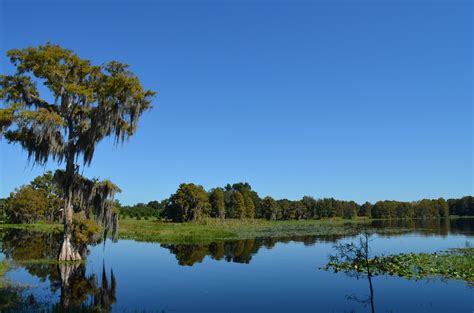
(73, 288)
(78, 292)
(85, 293)
(237, 251)
(241, 251)
(356, 253)
(428, 227)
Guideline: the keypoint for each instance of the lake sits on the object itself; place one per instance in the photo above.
(258, 275)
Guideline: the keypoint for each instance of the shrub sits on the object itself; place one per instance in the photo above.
(26, 205)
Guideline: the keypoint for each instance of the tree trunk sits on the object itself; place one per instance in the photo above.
(68, 252)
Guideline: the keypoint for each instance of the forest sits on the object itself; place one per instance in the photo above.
(41, 200)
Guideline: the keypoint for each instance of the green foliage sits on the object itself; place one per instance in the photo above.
(189, 203)
(453, 264)
(10, 297)
(36, 253)
(249, 205)
(152, 209)
(238, 205)
(53, 193)
(366, 209)
(4, 267)
(286, 209)
(84, 231)
(207, 230)
(325, 208)
(90, 103)
(217, 201)
(40, 200)
(240, 201)
(431, 208)
(27, 205)
(462, 207)
(3, 210)
(311, 206)
(270, 209)
(392, 209)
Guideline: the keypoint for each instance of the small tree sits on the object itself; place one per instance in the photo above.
(53, 194)
(90, 103)
(26, 205)
(354, 260)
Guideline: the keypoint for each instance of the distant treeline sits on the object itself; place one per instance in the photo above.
(192, 202)
(42, 200)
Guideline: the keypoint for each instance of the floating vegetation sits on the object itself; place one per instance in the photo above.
(457, 264)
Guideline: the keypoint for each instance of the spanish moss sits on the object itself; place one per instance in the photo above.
(96, 199)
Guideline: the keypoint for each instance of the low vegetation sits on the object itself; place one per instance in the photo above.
(194, 215)
(211, 230)
(452, 264)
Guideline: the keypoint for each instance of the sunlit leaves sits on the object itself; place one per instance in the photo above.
(91, 103)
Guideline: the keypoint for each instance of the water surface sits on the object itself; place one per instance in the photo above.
(257, 275)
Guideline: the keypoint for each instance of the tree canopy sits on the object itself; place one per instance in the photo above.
(90, 102)
(81, 104)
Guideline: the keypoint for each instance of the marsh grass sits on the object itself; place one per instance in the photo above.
(212, 230)
(209, 230)
(39, 226)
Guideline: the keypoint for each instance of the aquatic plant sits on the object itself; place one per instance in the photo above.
(455, 264)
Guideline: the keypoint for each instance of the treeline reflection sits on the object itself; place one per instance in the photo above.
(428, 227)
(76, 290)
(241, 251)
(238, 251)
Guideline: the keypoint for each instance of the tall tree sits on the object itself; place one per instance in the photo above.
(189, 203)
(270, 209)
(90, 103)
(249, 205)
(238, 203)
(311, 206)
(216, 198)
(366, 209)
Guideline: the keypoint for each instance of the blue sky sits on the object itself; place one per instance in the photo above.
(361, 100)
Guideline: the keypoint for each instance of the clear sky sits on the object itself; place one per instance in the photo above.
(361, 100)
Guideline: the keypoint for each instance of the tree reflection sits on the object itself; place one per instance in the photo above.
(351, 253)
(83, 293)
(238, 251)
(78, 291)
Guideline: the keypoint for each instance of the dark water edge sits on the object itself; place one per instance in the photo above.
(253, 275)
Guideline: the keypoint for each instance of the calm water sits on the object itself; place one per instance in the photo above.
(259, 275)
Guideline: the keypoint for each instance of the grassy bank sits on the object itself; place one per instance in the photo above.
(210, 230)
(40, 226)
